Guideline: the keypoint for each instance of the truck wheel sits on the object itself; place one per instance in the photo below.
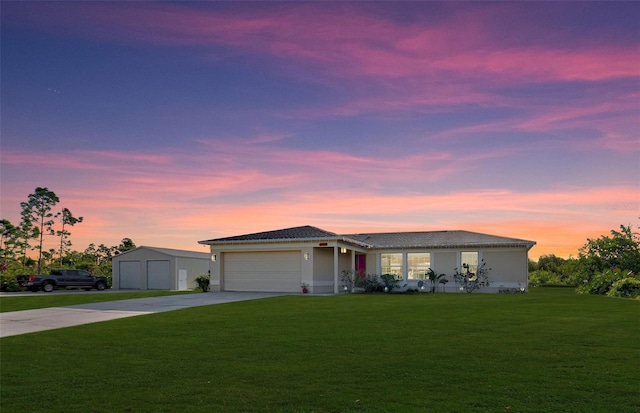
(101, 286)
(47, 287)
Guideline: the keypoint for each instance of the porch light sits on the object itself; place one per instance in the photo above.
(214, 257)
(343, 250)
(306, 256)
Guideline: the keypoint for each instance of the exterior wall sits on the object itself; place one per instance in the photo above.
(509, 266)
(215, 268)
(509, 269)
(317, 262)
(322, 270)
(194, 266)
(373, 263)
(445, 262)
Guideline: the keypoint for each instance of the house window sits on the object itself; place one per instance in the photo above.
(469, 261)
(392, 264)
(418, 264)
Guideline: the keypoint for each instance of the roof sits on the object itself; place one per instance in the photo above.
(171, 252)
(438, 239)
(296, 233)
(424, 239)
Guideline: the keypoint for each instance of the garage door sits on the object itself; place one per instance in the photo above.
(262, 271)
(130, 275)
(158, 277)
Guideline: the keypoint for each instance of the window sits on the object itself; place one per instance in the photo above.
(418, 265)
(469, 261)
(392, 264)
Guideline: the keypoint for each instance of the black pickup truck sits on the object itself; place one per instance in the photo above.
(62, 278)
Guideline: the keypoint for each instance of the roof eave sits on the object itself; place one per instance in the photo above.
(450, 246)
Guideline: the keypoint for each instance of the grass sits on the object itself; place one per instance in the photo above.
(547, 351)
(44, 300)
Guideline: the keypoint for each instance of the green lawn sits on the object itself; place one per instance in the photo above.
(547, 351)
(44, 300)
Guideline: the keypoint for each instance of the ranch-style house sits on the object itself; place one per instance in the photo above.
(282, 260)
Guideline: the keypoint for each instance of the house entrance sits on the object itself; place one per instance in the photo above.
(361, 264)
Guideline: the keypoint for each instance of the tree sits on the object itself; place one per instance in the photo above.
(37, 212)
(7, 239)
(605, 261)
(67, 219)
(621, 250)
(125, 245)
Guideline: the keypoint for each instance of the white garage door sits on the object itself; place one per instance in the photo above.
(158, 277)
(130, 275)
(262, 271)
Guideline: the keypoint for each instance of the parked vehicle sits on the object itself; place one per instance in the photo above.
(63, 278)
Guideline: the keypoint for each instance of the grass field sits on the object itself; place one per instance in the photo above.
(547, 351)
(45, 300)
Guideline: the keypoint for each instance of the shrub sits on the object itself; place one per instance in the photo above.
(203, 281)
(368, 282)
(627, 288)
(9, 283)
(601, 282)
(347, 278)
(541, 277)
(389, 281)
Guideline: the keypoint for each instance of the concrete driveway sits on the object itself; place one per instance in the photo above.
(29, 321)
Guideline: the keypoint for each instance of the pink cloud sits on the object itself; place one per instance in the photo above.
(348, 42)
(177, 204)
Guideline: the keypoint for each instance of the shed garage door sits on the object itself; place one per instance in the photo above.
(130, 275)
(158, 275)
(262, 271)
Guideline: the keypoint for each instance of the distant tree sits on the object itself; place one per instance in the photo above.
(8, 237)
(125, 245)
(24, 233)
(606, 261)
(620, 250)
(37, 212)
(550, 263)
(68, 220)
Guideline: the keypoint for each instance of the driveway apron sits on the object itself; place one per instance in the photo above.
(29, 321)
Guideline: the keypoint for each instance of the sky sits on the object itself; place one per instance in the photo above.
(175, 122)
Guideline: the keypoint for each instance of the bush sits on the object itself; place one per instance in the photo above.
(368, 282)
(8, 283)
(601, 282)
(203, 281)
(389, 281)
(627, 288)
(541, 277)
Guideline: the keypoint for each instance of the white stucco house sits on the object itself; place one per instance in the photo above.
(281, 260)
(152, 268)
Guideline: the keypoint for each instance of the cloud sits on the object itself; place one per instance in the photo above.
(171, 201)
(349, 41)
(575, 91)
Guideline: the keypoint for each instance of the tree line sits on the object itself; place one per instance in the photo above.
(606, 265)
(40, 218)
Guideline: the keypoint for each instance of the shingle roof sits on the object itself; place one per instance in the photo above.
(425, 239)
(436, 239)
(304, 232)
(171, 252)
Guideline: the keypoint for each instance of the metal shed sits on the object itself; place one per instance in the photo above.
(152, 268)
